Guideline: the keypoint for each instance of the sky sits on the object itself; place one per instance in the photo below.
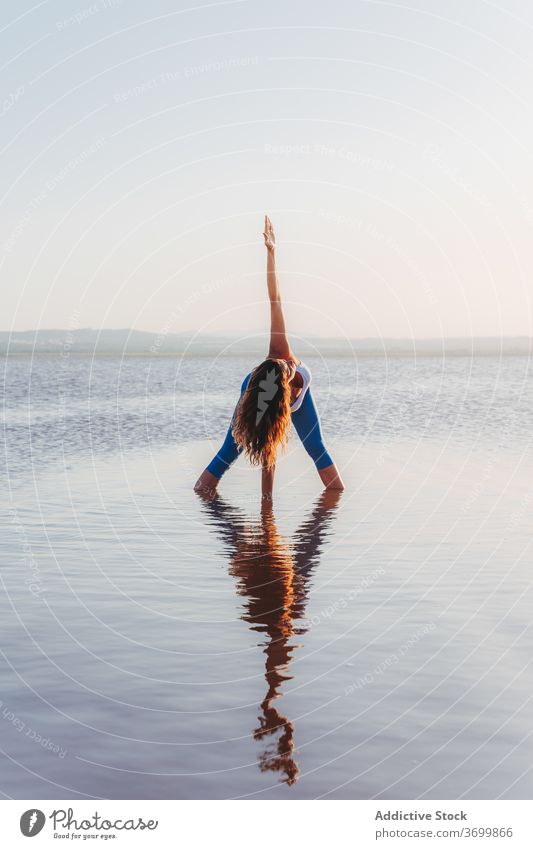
(391, 144)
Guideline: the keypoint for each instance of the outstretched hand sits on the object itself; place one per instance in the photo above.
(270, 236)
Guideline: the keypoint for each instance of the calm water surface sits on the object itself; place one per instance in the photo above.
(376, 644)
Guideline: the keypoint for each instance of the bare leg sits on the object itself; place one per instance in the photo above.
(330, 477)
(206, 484)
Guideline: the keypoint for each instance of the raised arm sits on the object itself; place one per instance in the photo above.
(279, 344)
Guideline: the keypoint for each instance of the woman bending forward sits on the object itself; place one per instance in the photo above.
(275, 393)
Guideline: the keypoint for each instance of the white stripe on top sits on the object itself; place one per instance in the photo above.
(306, 377)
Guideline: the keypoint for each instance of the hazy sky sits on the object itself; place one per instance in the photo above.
(390, 143)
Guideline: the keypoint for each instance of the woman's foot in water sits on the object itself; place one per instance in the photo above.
(206, 485)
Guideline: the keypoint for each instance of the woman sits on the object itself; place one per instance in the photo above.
(275, 393)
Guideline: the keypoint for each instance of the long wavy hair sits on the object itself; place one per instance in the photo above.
(262, 419)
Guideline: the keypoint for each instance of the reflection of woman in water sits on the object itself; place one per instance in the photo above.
(273, 395)
(273, 576)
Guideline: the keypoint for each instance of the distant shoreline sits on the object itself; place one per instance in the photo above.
(125, 342)
(195, 355)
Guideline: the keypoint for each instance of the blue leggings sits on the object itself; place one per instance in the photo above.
(306, 423)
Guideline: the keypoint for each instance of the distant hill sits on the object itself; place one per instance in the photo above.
(129, 342)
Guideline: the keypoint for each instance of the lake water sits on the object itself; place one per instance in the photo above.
(376, 644)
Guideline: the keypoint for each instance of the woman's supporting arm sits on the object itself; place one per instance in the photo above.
(279, 344)
(267, 482)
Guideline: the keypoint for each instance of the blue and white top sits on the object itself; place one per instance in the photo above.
(306, 377)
